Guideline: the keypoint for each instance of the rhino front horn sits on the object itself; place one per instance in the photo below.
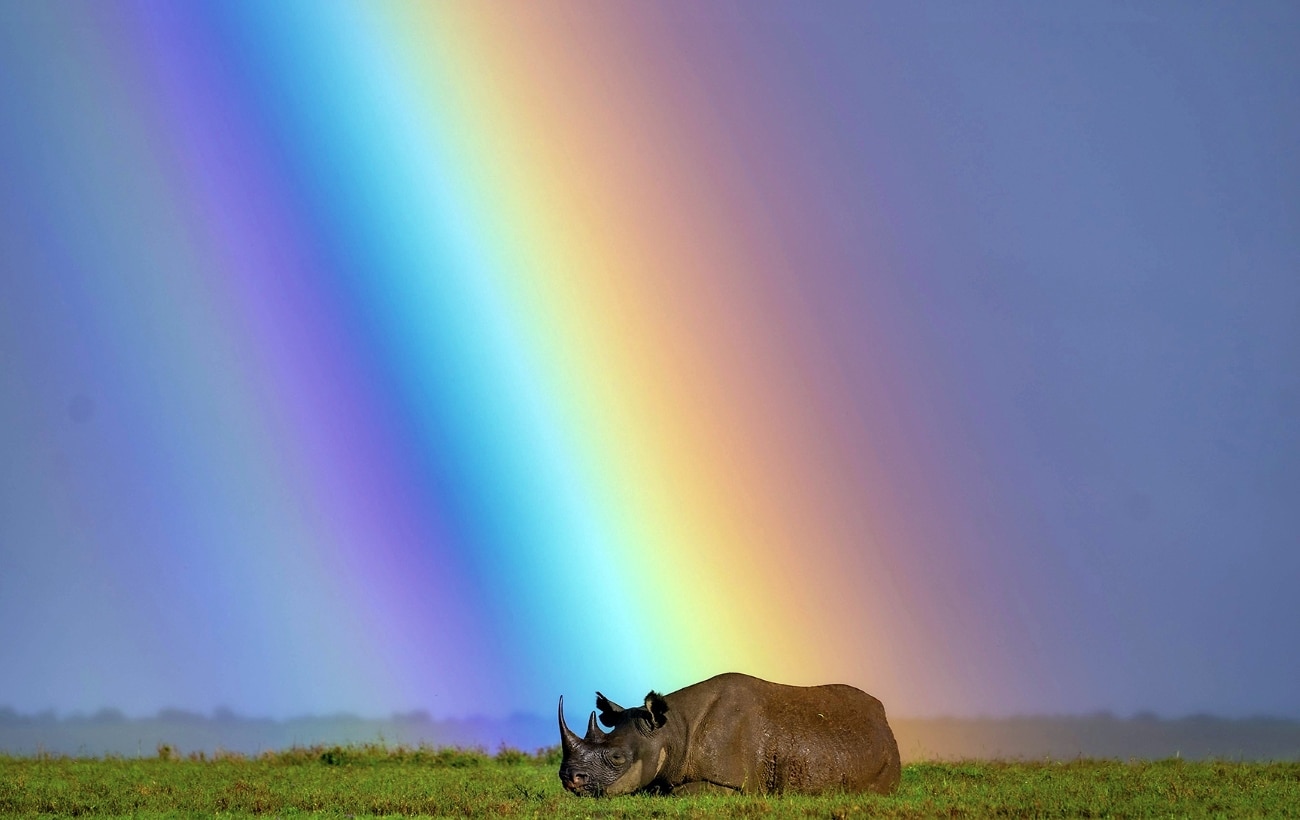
(593, 731)
(569, 740)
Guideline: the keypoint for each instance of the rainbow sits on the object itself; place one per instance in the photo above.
(454, 356)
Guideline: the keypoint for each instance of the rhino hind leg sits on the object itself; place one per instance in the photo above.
(887, 778)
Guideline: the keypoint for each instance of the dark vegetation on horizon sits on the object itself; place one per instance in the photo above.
(109, 732)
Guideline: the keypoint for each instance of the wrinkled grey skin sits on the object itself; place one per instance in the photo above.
(738, 734)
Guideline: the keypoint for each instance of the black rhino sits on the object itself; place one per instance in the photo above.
(734, 733)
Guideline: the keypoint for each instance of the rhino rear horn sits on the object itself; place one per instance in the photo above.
(593, 731)
(569, 741)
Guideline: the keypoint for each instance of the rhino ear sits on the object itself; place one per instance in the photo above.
(609, 710)
(658, 709)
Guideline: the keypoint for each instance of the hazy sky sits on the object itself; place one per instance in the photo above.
(1110, 251)
(1089, 216)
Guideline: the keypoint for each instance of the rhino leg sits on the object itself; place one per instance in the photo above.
(703, 787)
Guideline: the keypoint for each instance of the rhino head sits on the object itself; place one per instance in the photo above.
(621, 761)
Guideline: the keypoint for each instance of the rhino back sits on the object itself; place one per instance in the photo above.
(751, 735)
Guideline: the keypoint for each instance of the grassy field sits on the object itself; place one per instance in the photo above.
(373, 780)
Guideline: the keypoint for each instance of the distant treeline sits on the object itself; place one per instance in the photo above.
(1145, 737)
(109, 732)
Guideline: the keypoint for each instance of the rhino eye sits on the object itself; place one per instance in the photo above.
(617, 758)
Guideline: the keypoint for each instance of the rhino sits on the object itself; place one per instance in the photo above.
(734, 733)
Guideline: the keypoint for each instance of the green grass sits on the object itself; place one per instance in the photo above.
(360, 781)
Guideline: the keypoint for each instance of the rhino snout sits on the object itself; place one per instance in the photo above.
(576, 782)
